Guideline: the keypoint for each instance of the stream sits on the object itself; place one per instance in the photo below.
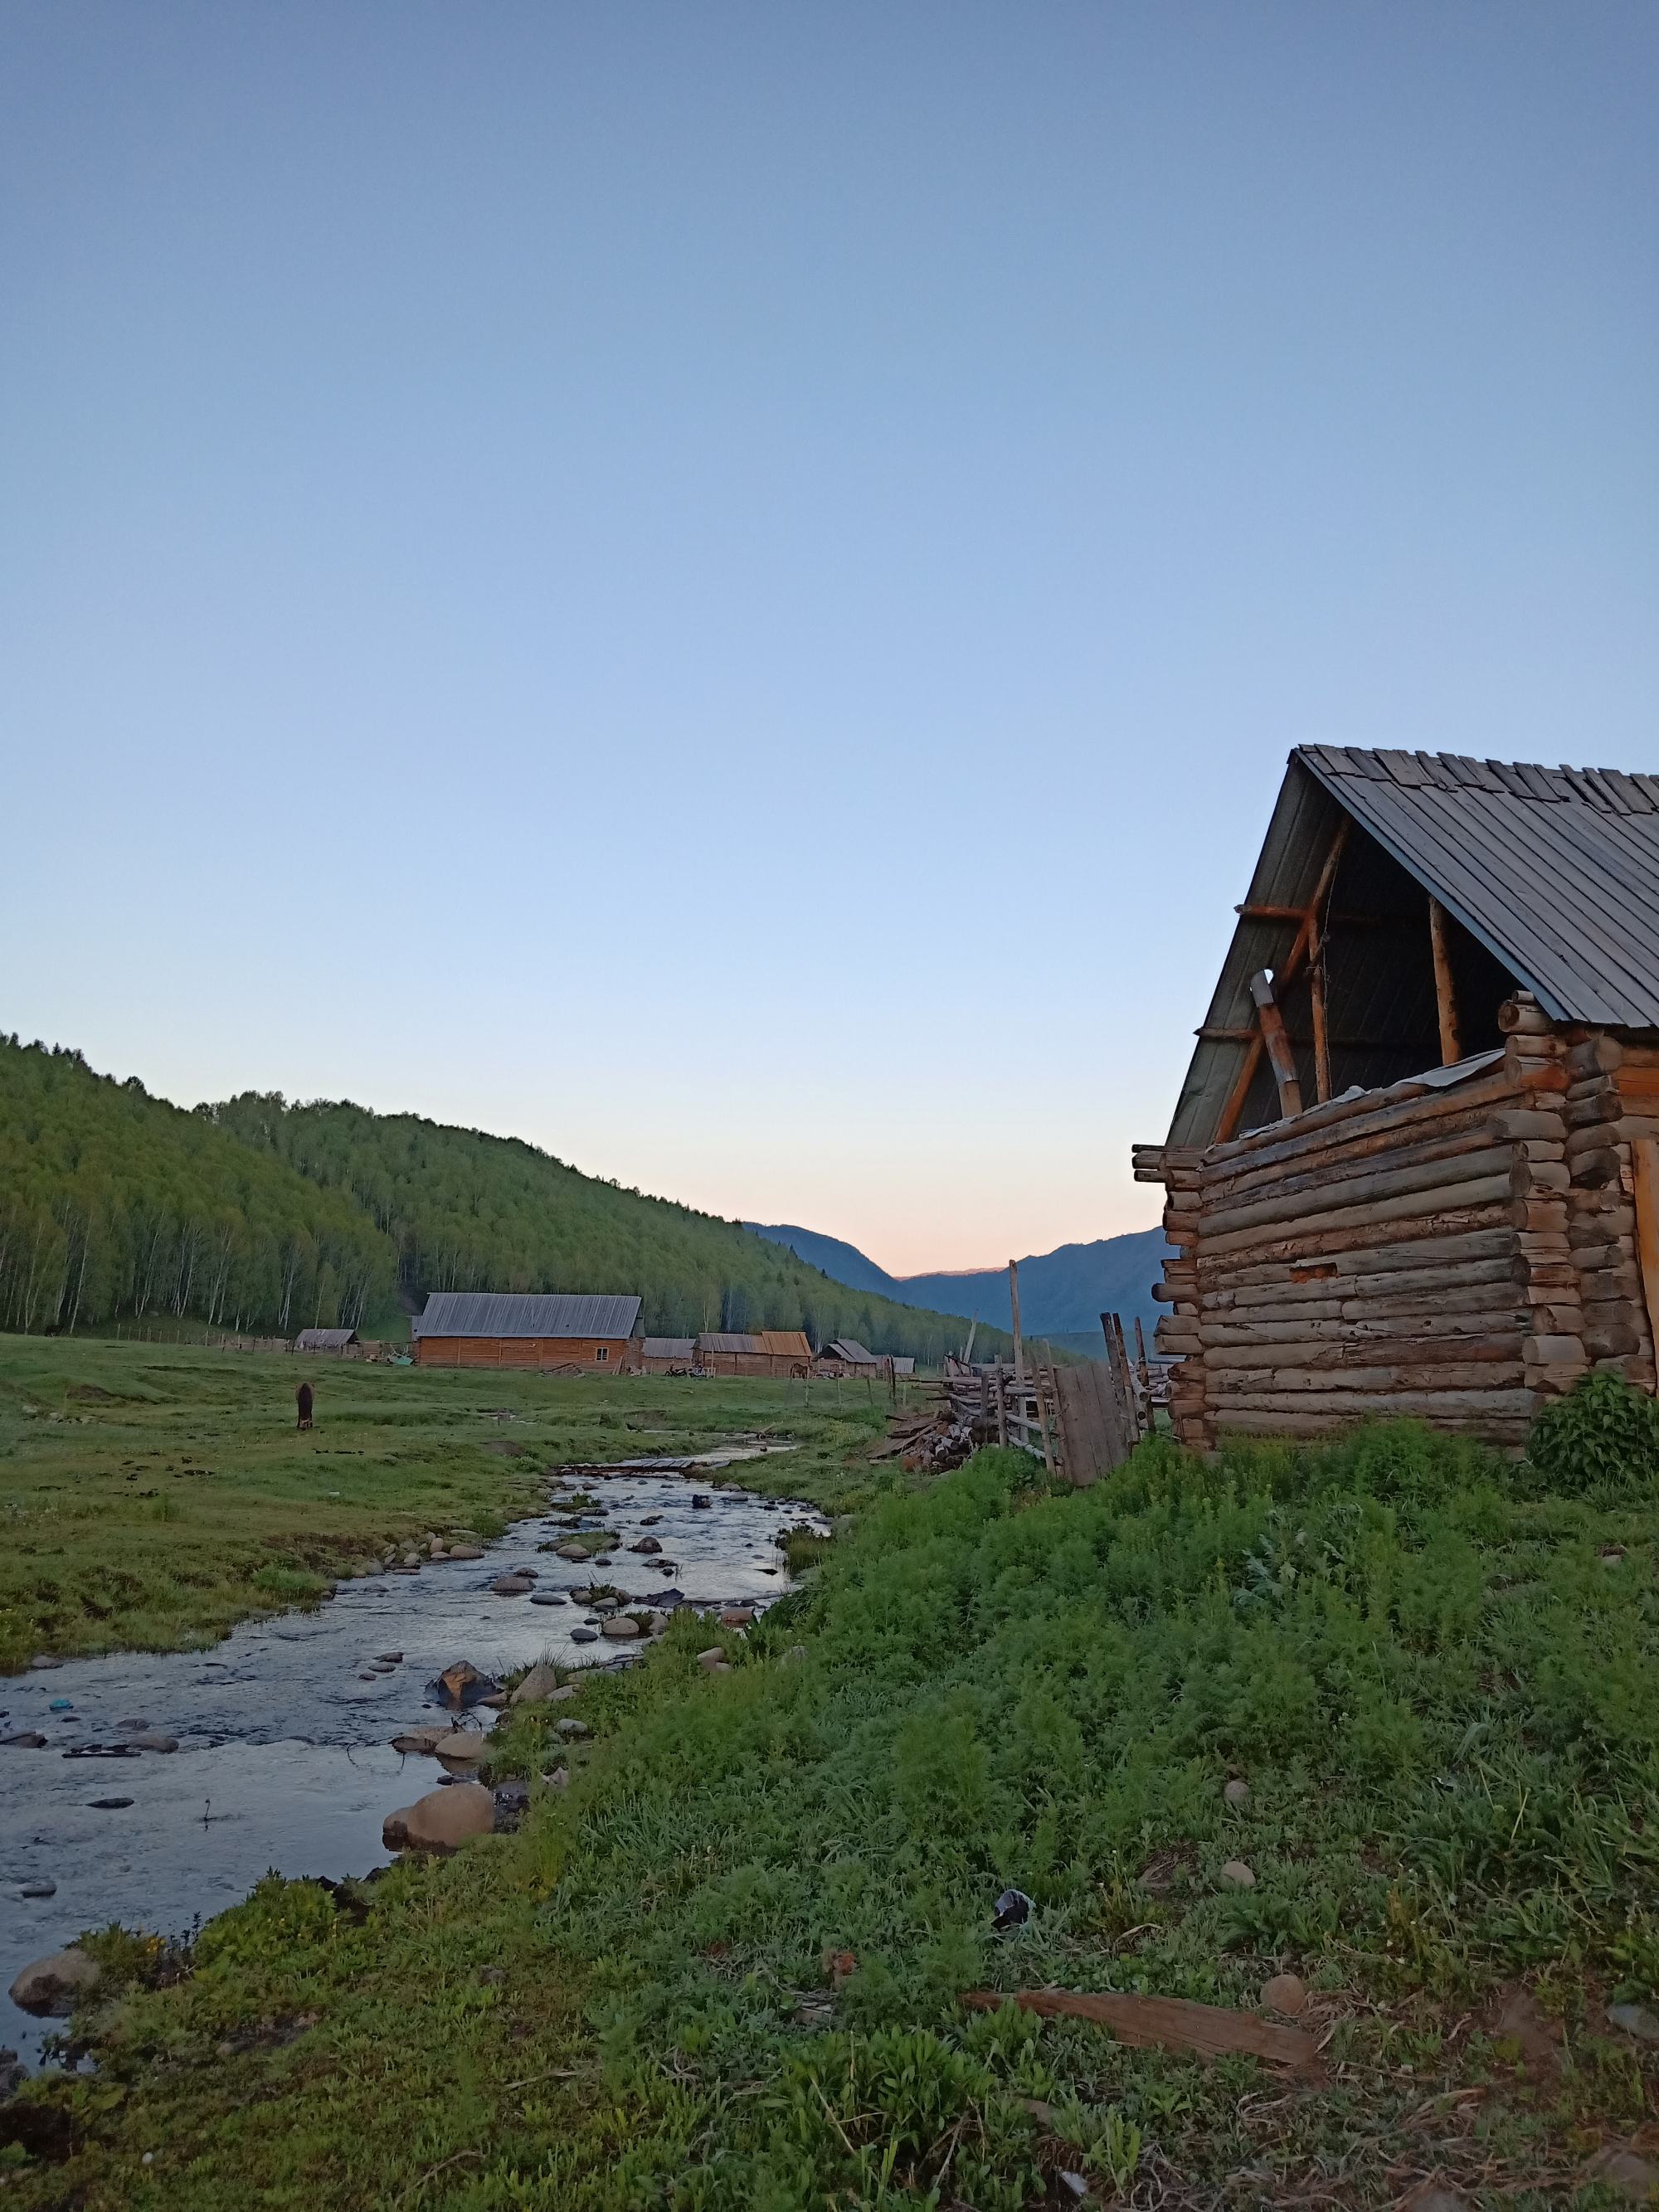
(284, 1758)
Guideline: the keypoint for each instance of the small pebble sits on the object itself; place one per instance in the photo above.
(1236, 1872)
(1636, 2020)
(1286, 1993)
(1237, 1792)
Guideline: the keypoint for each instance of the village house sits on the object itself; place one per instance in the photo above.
(768, 1352)
(1414, 1166)
(668, 1355)
(553, 1332)
(847, 1355)
(335, 1341)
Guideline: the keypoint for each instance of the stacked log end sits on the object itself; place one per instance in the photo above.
(1460, 1252)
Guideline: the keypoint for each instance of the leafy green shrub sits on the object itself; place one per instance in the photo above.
(1603, 1434)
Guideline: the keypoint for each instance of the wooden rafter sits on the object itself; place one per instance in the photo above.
(1277, 1043)
(1309, 916)
(1446, 997)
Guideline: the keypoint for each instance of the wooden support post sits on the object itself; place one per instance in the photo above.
(1042, 1413)
(1232, 1113)
(1644, 1159)
(1013, 1302)
(1445, 998)
(1322, 1036)
(1276, 1044)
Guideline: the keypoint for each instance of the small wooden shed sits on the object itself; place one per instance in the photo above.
(1414, 1166)
(847, 1355)
(325, 1340)
(553, 1332)
(668, 1355)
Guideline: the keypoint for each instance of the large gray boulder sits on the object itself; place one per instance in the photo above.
(54, 1986)
(443, 1820)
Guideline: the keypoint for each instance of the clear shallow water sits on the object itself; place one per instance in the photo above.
(284, 1759)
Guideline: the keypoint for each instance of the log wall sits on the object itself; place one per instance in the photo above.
(1460, 1253)
(545, 1354)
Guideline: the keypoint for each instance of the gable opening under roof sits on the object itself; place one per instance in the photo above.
(1377, 962)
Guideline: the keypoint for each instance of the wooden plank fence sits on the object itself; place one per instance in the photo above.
(1082, 1418)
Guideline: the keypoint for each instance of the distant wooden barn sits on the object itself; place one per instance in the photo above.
(847, 1355)
(1414, 1166)
(325, 1340)
(557, 1332)
(668, 1355)
(775, 1352)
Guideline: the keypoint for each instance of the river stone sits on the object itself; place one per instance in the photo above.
(573, 1551)
(43, 1659)
(646, 1544)
(650, 1520)
(463, 1685)
(584, 1636)
(442, 1820)
(153, 1739)
(390, 1658)
(1286, 1993)
(1636, 2020)
(546, 1597)
(421, 1740)
(736, 1616)
(572, 1728)
(541, 1683)
(622, 1629)
(1236, 1872)
(460, 1748)
(1237, 1792)
(1627, 2173)
(715, 1657)
(41, 1888)
(25, 1740)
(130, 1728)
(52, 1986)
(466, 1551)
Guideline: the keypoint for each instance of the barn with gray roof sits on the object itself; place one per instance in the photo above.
(556, 1333)
(1414, 1164)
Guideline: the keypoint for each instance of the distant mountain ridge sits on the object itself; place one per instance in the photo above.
(1061, 1293)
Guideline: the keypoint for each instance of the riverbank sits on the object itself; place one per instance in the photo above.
(152, 1496)
(1384, 1720)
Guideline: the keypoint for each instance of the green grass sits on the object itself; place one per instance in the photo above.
(1443, 1696)
(151, 1495)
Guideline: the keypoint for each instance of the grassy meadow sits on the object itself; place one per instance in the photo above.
(719, 1969)
(152, 1495)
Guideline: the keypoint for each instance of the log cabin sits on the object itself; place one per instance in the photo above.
(552, 1333)
(1414, 1165)
(775, 1352)
(668, 1355)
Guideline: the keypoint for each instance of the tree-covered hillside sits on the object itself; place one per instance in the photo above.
(470, 1211)
(115, 1203)
(265, 1217)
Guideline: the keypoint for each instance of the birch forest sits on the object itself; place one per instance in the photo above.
(262, 1216)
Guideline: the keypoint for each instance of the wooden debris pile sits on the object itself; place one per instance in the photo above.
(929, 1443)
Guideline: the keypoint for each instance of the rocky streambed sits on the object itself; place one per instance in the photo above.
(165, 1786)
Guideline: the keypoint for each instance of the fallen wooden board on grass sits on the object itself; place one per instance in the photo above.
(1172, 2023)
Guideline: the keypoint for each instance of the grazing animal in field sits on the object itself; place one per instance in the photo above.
(304, 1399)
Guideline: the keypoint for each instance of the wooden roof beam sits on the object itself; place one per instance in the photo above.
(1276, 1044)
(1233, 1112)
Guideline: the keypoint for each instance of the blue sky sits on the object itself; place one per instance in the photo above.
(726, 588)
